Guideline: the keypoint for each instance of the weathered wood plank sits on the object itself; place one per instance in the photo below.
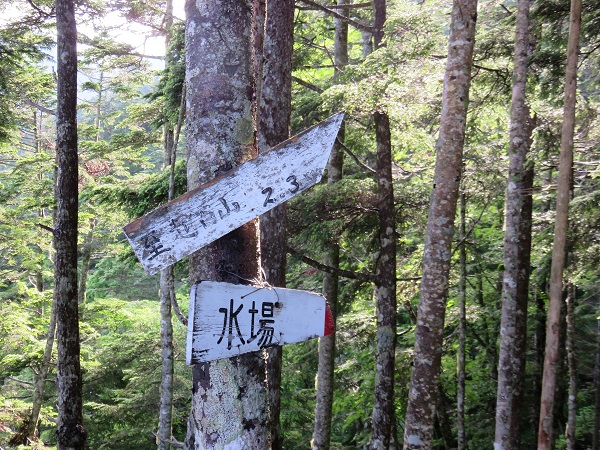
(197, 218)
(227, 320)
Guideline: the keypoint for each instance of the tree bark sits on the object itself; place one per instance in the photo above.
(331, 257)
(165, 413)
(385, 291)
(572, 362)
(538, 351)
(596, 430)
(418, 431)
(444, 422)
(229, 403)
(40, 380)
(275, 105)
(71, 433)
(514, 309)
(560, 233)
(86, 257)
(167, 278)
(462, 331)
(385, 270)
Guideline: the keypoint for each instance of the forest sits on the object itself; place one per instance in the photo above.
(455, 232)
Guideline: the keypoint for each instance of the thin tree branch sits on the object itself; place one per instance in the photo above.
(408, 330)
(174, 443)
(346, 6)
(355, 158)
(366, 277)
(337, 15)
(306, 84)
(40, 107)
(471, 228)
(360, 276)
(40, 11)
(11, 378)
(177, 310)
(45, 227)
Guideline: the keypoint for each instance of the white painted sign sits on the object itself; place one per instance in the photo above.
(227, 320)
(199, 217)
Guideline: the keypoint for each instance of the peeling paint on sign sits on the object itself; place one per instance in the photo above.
(227, 320)
(199, 217)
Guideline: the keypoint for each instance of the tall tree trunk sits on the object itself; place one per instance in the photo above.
(559, 419)
(560, 232)
(167, 278)
(596, 430)
(418, 432)
(462, 331)
(385, 291)
(385, 270)
(229, 402)
(514, 310)
(71, 434)
(327, 344)
(275, 105)
(86, 257)
(165, 414)
(538, 355)
(572, 363)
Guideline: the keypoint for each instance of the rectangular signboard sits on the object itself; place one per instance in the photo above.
(227, 320)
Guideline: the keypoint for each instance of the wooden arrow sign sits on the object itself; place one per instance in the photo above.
(227, 320)
(199, 217)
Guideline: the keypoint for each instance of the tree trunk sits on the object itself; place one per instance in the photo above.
(462, 331)
(331, 257)
(229, 403)
(167, 278)
(560, 233)
(71, 434)
(40, 380)
(538, 351)
(165, 414)
(514, 309)
(572, 362)
(274, 127)
(86, 257)
(444, 422)
(596, 430)
(418, 431)
(385, 290)
(385, 270)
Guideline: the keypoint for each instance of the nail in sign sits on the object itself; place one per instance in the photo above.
(199, 217)
(227, 320)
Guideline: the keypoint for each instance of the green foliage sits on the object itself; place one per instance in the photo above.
(121, 362)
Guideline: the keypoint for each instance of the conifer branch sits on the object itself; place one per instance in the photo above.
(355, 158)
(337, 15)
(362, 276)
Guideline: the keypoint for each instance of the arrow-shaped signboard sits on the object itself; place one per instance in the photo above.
(228, 320)
(199, 217)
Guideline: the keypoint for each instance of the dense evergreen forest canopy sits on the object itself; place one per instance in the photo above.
(130, 110)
